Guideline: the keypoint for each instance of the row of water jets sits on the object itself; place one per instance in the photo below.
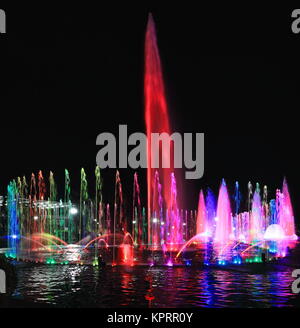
(37, 220)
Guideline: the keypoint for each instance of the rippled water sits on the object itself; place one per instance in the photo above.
(86, 286)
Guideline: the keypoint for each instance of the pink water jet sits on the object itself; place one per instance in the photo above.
(157, 229)
(201, 215)
(223, 220)
(175, 222)
(137, 219)
(286, 215)
(256, 219)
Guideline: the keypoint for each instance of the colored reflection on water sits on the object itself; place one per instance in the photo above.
(86, 286)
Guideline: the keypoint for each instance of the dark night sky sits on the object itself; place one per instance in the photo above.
(73, 73)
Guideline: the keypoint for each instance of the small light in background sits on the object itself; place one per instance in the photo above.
(73, 210)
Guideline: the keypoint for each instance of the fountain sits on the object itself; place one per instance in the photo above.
(223, 218)
(202, 216)
(157, 121)
(286, 218)
(42, 228)
(256, 217)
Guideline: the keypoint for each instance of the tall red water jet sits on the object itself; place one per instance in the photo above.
(156, 113)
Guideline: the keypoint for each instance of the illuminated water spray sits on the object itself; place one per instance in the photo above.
(156, 115)
(175, 221)
(223, 218)
(202, 227)
(286, 218)
(119, 224)
(256, 219)
(158, 222)
(137, 219)
(72, 227)
(84, 219)
(98, 203)
(13, 220)
(210, 202)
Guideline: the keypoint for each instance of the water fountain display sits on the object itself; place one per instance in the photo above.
(38, 226)
(47, 230)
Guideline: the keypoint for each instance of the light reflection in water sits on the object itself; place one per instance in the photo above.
(82, 286)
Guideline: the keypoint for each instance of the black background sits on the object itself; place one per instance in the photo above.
(70, 73)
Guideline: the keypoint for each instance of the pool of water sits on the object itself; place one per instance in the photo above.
(87, 286)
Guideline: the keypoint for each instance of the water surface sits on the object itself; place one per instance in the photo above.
(87, 286)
